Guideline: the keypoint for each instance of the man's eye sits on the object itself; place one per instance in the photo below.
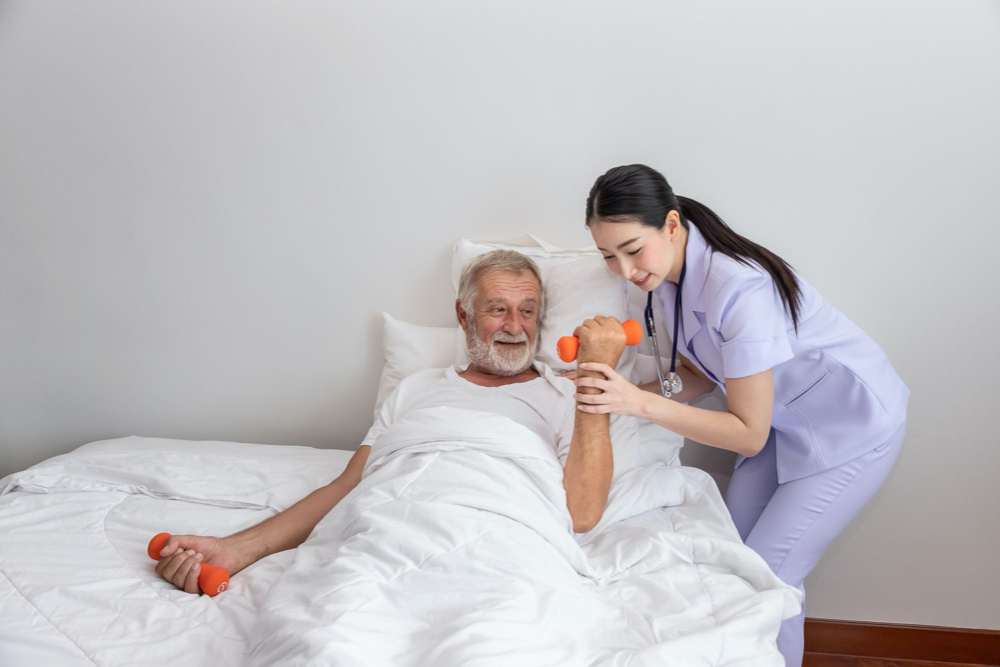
(528, 312)
(497, 309)
(636, 252)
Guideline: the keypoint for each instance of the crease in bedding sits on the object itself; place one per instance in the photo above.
(457, 549)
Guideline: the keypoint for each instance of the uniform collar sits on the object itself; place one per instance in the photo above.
(698, 258)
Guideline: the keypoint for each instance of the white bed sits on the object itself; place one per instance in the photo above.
(419, 565)
(77, 588)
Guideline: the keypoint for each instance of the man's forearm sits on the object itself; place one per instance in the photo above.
(589, 466)
(291, 527)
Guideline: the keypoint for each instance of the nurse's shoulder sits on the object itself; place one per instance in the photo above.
(733, 288)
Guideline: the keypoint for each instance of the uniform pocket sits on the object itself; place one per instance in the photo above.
(809, 388)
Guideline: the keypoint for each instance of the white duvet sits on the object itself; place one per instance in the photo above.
(457, 549)
(76, 585)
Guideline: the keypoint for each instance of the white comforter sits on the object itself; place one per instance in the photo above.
(76, 585)
(457, 549)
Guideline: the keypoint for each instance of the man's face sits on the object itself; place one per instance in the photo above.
(502, 331)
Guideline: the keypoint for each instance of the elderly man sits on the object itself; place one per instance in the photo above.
(500, 307)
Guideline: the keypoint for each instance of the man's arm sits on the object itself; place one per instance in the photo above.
(286, 530)
(590, 464)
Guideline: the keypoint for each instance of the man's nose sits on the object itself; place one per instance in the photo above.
(513, 323)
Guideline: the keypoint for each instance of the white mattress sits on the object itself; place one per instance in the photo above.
(77, 588)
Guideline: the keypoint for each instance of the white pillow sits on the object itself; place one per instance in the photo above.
(577, 285)
(409, 348)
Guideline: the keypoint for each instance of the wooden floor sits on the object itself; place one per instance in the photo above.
(827, 660)
(832, 643)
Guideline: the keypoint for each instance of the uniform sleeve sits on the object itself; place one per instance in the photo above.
(753, 325)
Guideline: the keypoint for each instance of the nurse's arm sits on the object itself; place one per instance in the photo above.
(743, 429)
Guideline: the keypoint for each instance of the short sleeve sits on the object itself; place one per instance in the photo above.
(753, 325)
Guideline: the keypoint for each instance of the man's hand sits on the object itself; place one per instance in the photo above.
(180, 563)
(182, 556)
(602, 339)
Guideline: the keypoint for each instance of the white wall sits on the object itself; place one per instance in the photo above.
(205, 206)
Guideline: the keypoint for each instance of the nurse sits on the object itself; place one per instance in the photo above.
(815, 412)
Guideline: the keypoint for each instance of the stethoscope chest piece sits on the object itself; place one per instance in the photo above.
(672, 385)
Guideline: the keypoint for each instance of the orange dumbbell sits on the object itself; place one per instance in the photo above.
(568, 346)
(212, 579)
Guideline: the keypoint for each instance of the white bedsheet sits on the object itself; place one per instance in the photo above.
(457, 549)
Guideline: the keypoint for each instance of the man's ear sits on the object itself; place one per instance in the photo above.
(463, 317)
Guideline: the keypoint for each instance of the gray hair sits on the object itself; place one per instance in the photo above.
(497, 260)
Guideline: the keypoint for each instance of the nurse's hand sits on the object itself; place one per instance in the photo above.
(620, 396)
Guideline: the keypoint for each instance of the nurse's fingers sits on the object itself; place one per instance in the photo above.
(592, 382)
(599, 367)
(594, 409)
(591, 399)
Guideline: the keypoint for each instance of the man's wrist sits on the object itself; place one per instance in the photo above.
(244, 549)
(589, 374)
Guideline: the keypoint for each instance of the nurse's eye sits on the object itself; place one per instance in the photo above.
(609, 257)
(636, 252)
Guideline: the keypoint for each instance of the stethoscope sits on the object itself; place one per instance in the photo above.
(671, 384)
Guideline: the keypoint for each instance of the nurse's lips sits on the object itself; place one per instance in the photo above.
(642, 282)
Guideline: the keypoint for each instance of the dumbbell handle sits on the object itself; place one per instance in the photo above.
(568, 346)
(212, 579)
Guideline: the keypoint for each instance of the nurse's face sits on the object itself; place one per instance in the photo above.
(642, 254)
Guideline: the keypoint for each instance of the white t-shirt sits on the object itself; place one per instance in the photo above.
(545, 405)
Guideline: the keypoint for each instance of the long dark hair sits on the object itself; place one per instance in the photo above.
(636, 192)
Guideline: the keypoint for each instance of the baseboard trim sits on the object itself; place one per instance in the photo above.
(891, 641)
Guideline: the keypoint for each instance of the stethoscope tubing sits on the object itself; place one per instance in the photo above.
(675, 385)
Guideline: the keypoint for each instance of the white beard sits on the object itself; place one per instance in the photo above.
(500, 360)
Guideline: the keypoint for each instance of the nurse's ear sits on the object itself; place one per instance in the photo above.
(672, 226)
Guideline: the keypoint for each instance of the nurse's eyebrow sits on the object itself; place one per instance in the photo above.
(622, 245)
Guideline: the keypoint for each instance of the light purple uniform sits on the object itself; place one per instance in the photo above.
(839, 409)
